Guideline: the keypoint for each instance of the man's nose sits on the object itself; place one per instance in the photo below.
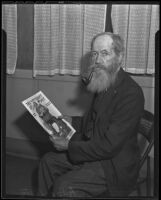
(98, 59)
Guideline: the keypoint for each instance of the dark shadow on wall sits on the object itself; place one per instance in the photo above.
(83, 97)
(85, 62)
(37, 136)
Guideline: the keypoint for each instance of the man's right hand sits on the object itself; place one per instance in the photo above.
(67, 118)
(60, 143)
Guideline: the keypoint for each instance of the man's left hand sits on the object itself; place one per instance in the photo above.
(60, 143)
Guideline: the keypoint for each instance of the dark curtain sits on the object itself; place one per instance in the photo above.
(108, 25)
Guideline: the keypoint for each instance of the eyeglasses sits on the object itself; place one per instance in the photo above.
(103, 53)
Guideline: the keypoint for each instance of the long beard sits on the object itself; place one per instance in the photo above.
(103, 77)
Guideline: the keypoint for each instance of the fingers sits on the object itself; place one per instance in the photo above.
(53, 140)
(58, 147)
(60, 117)
(59, 143)
(68, 118)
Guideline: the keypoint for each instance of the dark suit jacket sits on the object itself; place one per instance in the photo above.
(113, 138)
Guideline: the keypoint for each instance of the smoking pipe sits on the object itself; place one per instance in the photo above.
(86, 80)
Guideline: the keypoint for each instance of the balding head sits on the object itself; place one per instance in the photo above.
(110, 40)
(106, 57)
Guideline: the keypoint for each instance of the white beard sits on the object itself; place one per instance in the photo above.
(103, 77)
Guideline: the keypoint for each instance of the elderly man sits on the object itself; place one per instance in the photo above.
(103, 155)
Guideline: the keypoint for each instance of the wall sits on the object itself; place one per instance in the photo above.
(61, 90)
(64, 91)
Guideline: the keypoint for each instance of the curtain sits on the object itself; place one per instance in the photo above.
(9, 25)
(137, 24)
(62, 35)
(108, 26)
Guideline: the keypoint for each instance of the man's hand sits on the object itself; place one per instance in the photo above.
(66, 117)
(60, 143)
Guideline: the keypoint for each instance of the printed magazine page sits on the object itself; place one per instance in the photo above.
(48, 116)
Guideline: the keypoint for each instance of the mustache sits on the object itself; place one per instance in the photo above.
(94, 67)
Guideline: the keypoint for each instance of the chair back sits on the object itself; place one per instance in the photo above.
(146, 135)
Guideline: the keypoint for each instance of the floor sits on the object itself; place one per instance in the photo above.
(21, 177)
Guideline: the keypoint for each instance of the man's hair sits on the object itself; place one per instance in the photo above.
(117, 45)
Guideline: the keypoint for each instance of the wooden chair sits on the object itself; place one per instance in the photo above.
(146, 142)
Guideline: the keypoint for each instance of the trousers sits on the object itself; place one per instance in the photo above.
(64, 179)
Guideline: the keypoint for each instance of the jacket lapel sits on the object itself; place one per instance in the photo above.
(105, 102)
(87, 114)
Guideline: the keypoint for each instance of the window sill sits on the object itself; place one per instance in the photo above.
(144, 80)
(28, 74)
